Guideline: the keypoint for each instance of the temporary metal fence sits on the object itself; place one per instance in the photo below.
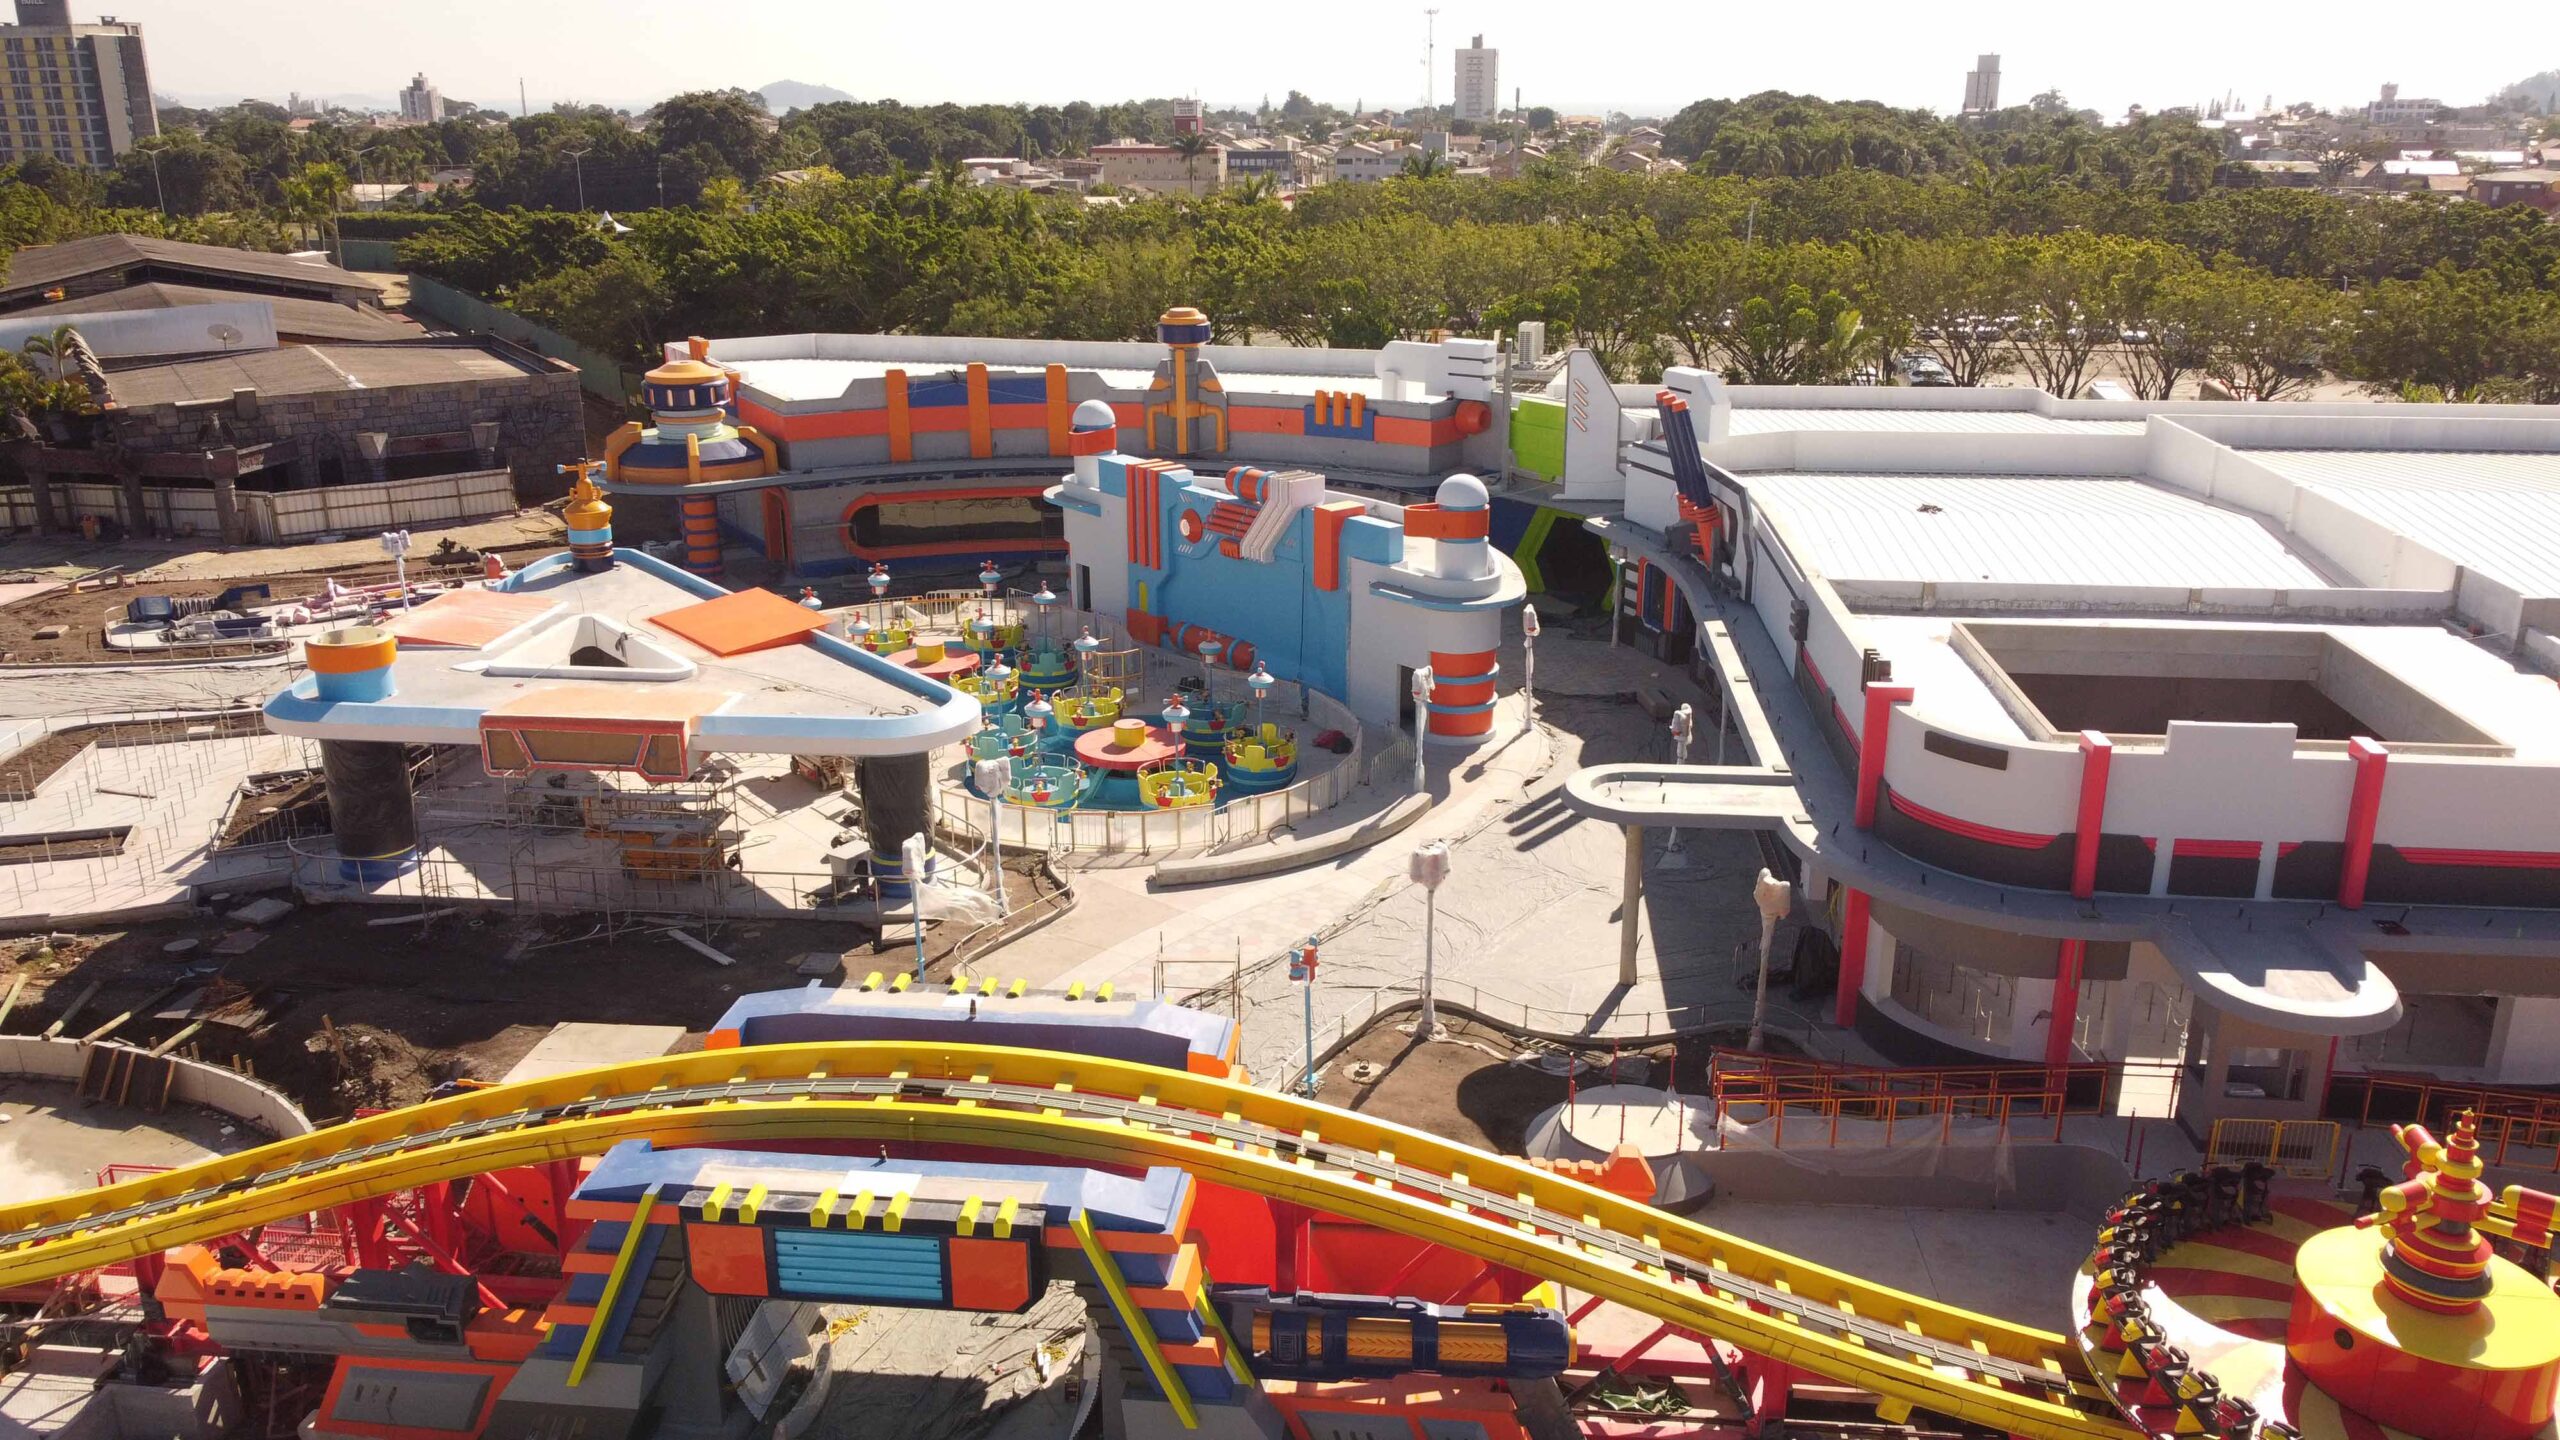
(272, 517)
(2517, 1127)
(2303, 1149)
(1811, 1099)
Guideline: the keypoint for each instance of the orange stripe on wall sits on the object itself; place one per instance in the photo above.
(1397, 430)
(1061, 414)
(982, 438)
(902, 445)
(1330, 518)
(1265, 420)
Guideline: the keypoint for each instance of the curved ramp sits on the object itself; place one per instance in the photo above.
(1901, 1346)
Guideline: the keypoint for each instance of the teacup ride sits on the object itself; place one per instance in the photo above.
(1082, 711)
(987, 639)
(1178, 783)
(1005, 737)
(1261, 760)
(1210, 725)
(995, 693)
(1045, 783)
(1047, 663)
(883, 642)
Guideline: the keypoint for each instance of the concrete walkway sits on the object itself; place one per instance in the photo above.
(1528, 916)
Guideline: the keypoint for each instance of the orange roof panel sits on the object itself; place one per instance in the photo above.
(468, 619)
(738, 623)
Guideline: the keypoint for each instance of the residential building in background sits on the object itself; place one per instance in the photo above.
(1129, 165)
(1479, 91)
(2391, 109)
(78, 93)
(421, 102)
(1982, 86)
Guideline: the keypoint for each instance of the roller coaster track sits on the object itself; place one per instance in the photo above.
(1072, 1107)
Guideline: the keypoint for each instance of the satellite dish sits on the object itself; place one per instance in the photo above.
(228, 334)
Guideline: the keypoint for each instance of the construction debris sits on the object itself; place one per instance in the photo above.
(266, 910)
(705, 951)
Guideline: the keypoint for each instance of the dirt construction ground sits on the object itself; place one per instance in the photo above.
(342, 1014)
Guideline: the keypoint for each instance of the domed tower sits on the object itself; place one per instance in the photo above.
(689, 443)
(1093, 433)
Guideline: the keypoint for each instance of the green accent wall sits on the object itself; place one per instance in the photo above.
(1537, 436)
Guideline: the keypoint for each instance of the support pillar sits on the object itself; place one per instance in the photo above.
(1630, 905)
(40, 482)
(1873, 735)
(2066, 1002)
(1853, 958)
(897, 802)
(226, 509)
(2097, 757)
(2364, 812)
(370, 814)
(701, 521)
(137, 519)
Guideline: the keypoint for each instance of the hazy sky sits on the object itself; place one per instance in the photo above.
(1634, 57)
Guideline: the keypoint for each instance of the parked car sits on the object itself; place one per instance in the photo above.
(1919, 367)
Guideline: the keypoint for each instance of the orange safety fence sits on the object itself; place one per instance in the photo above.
(2520, 1128)
(2024, 1101)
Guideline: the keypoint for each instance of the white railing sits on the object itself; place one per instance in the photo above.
(1165, 832)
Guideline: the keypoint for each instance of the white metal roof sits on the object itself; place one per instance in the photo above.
(1748, 420)
(2065, 531)
(2497, 512)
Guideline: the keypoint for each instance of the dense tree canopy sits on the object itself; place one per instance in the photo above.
(1811, 241)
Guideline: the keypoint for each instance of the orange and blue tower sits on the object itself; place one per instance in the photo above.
(691, 444)
(1186, 402)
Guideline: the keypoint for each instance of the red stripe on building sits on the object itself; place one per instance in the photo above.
(2214, 850)
(1970, 830)
(2486, 859)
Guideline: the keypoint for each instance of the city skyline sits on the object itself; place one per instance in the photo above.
(636, 53)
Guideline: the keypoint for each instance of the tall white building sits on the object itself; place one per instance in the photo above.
(78, 93)
(421, 102)
(1479, 93)
(1982, 86)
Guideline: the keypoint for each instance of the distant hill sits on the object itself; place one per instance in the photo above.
(784, 96)
(2534, 92)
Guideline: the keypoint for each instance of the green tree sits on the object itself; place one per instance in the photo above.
(56, 347)
(313, 197)
(2452, 331)
(2260, 337)
(1946, 295)
(616, 305)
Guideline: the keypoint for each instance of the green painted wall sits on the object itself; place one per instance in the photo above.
(1537, 436)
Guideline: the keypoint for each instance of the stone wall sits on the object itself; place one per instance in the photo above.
(539, 427)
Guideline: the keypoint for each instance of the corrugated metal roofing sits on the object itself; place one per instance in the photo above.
(2497, 512)
(2058, 530)
(1753, 421)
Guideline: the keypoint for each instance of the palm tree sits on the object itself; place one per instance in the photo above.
(1254, 189)
(311, 196)
(57, 349)
(1424, 166)
(1190, 145)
